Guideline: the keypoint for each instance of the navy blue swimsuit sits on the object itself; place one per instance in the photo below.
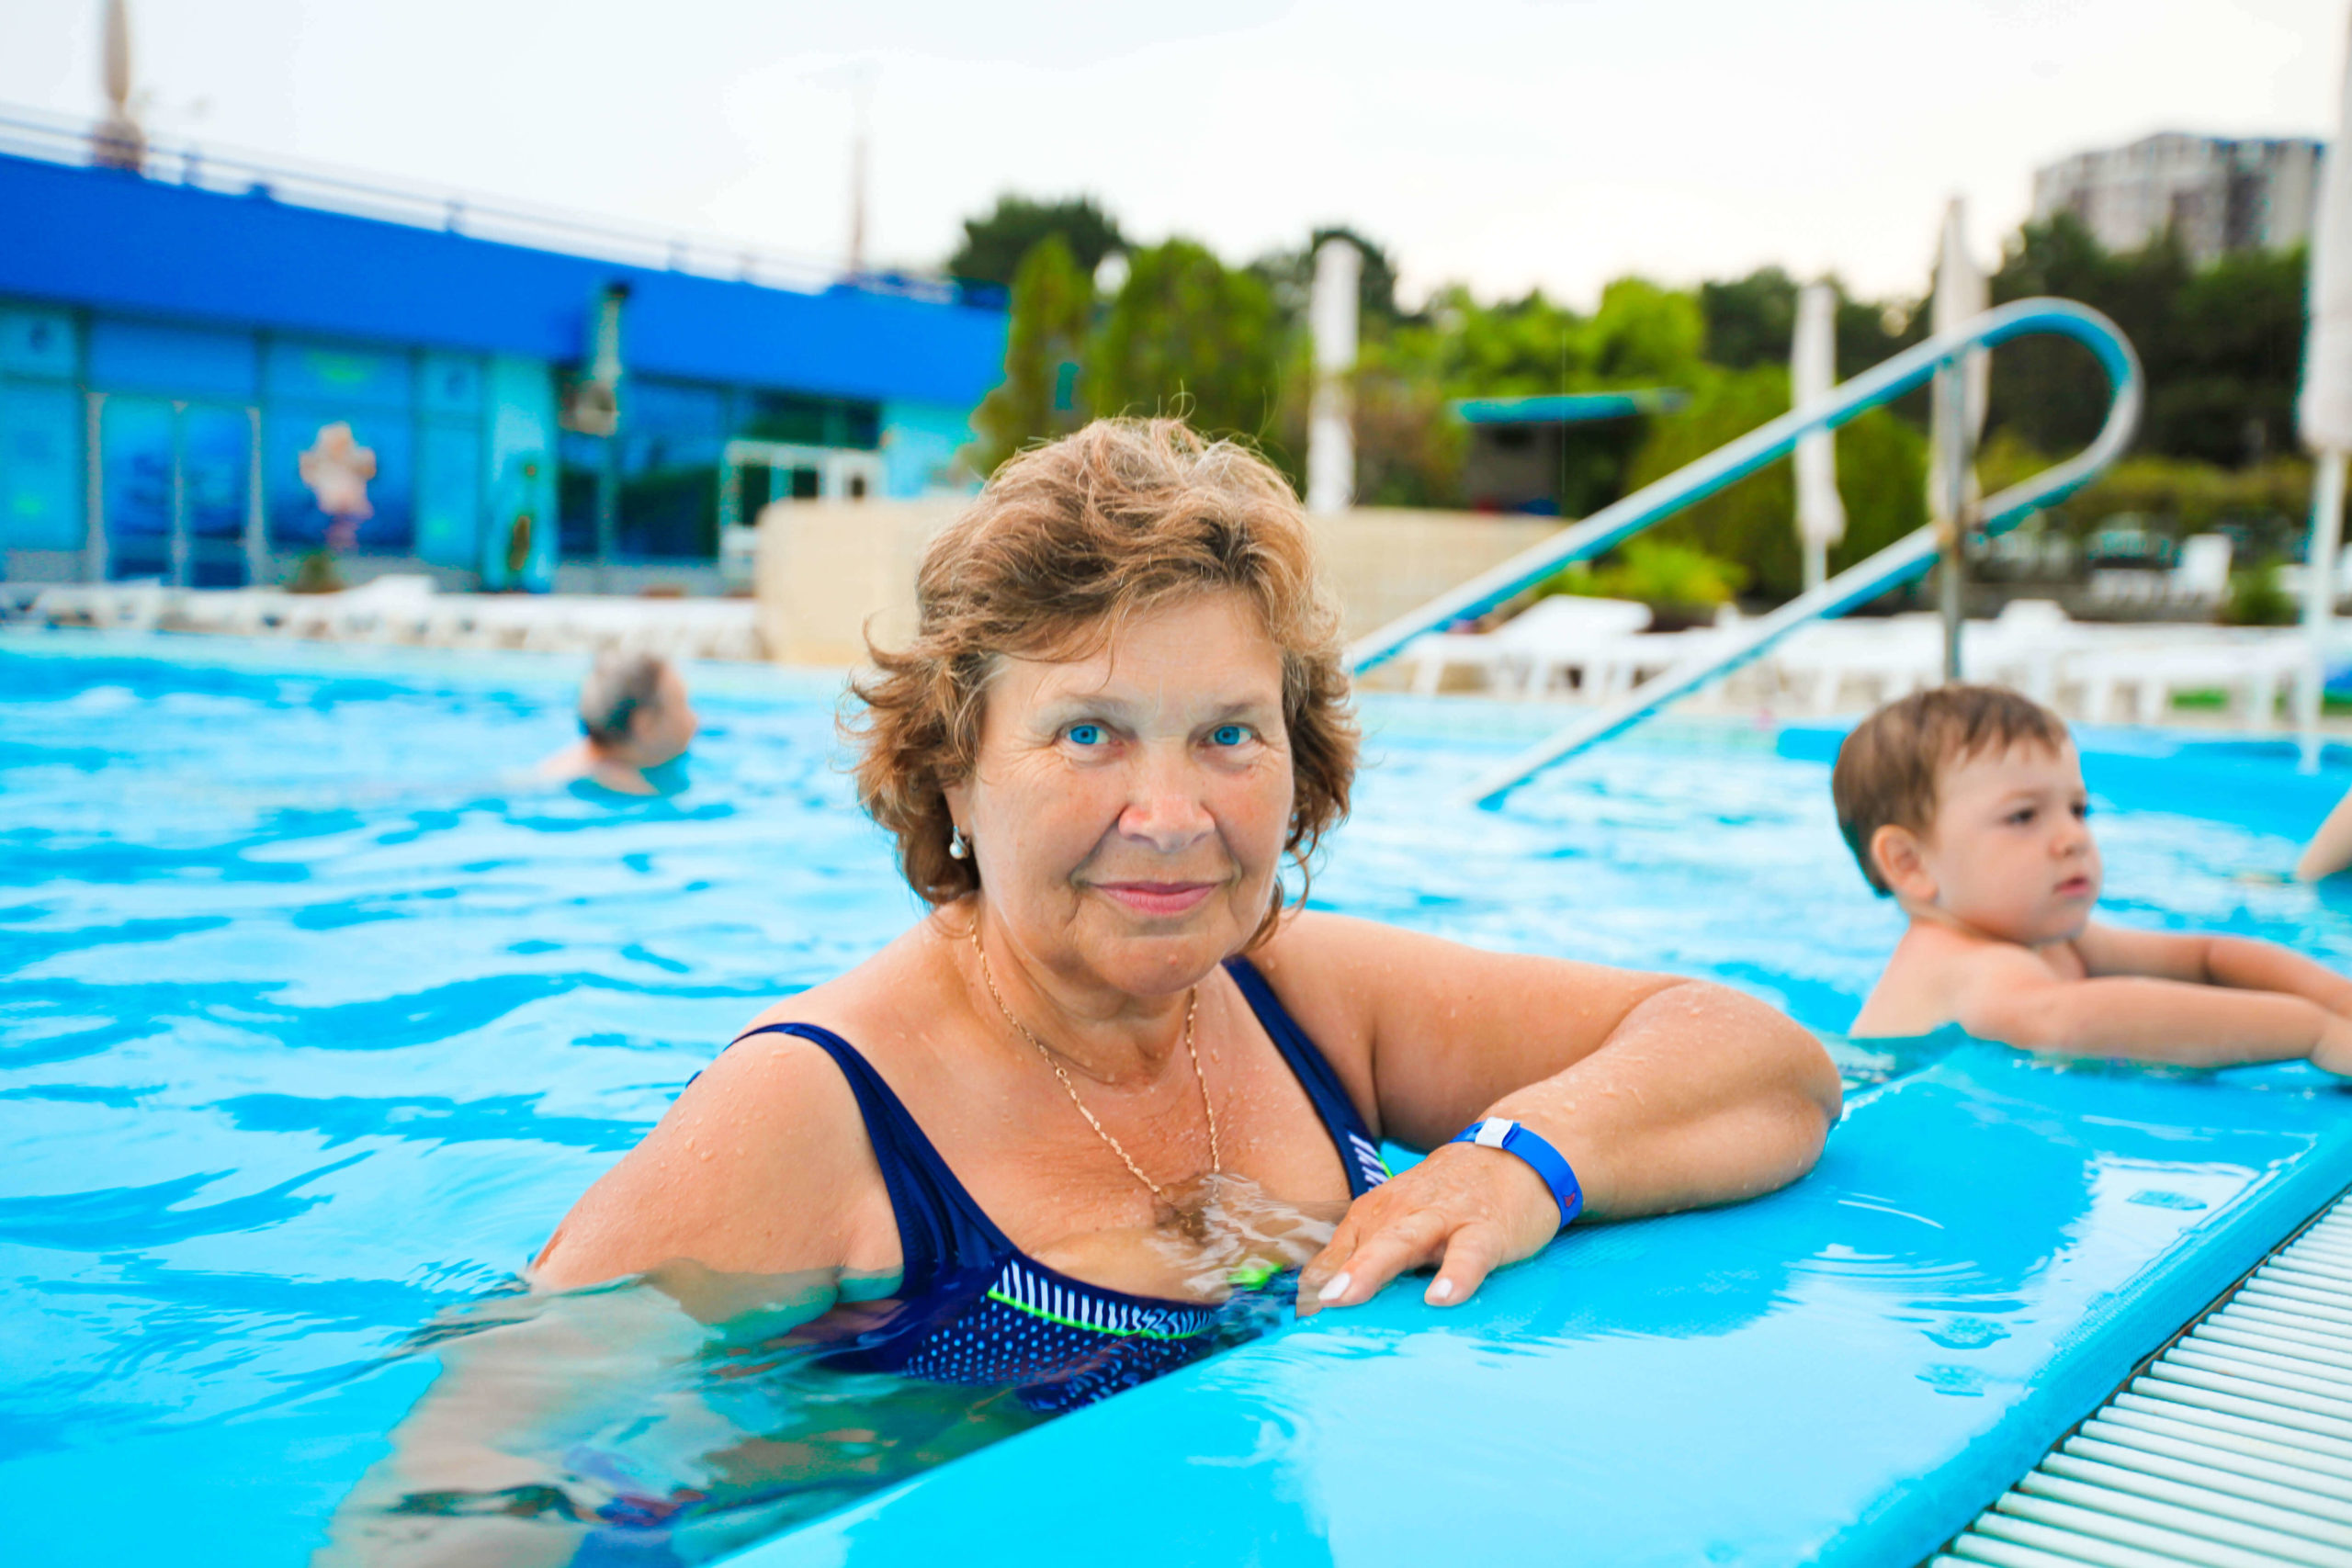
(973, 1308)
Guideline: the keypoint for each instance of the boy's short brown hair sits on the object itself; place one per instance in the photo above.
(1887, 768)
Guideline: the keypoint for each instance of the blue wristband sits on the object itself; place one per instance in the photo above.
(1501, 1133)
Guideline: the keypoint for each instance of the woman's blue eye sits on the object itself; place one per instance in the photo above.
(1229, 735)
(1086, 735)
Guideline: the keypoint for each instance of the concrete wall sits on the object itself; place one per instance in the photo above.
(826, 568)
(1385, 560)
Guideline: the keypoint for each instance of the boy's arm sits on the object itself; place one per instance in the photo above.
(2330, 850)
(2006, 994)
(2239, 963)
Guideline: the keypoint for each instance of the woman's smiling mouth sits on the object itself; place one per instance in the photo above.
(1157, 898)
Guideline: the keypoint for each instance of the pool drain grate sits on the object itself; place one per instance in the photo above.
(2232, 1448)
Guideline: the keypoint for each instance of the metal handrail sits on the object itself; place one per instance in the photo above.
(1899, 563)
(1687, 486)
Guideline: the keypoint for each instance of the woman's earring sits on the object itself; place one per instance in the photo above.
(959, 846)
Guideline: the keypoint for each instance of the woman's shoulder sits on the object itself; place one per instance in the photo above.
(761, 1165)
(865, 1002)
(1328, 972)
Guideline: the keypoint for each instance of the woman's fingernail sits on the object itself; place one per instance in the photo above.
(1442, 1291)
(1334, 1290)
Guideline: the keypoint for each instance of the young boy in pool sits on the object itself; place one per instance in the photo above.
(1965, 804)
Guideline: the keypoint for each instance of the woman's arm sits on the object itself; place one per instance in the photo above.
(479, 1469)
(1661, 1093)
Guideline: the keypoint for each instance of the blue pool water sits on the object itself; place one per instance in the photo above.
(316, 1016)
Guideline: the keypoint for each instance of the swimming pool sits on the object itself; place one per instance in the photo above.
(316, 1018)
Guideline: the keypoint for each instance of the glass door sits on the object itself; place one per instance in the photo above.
(216, 457)
(175, 490)
(135, 479)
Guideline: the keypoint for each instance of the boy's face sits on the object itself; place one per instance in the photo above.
(2010, 853)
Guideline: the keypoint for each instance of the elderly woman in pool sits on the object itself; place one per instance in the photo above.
(1124, 708)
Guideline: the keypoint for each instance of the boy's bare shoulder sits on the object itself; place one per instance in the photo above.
(1937, 975)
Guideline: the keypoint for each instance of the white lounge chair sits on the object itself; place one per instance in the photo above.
(1558, 636)
(1890, 657)
(2252, 668)
(2203, 577)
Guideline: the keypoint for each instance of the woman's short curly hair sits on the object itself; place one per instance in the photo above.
(1117, 519)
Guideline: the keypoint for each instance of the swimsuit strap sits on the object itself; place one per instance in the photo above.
(941, 1231)
(1358, 1152)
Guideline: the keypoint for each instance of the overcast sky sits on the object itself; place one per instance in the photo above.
(1509, 144)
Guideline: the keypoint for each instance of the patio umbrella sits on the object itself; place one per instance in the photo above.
(1332, 314)
(2324, 412)
(1813, 371)
(1952, 492)
(117, 142)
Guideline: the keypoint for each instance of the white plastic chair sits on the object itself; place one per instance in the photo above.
(2203, 577)
(1892, 657)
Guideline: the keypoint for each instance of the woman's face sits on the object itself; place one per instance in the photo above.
(1128, 808)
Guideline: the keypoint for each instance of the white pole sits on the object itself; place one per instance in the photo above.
(1330, 429)
(1813, 375)
(2319, 598)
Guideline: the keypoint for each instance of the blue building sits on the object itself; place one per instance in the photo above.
(175, 357)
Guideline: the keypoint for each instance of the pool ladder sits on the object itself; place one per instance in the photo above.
(1900, 562)
(2232, 1448)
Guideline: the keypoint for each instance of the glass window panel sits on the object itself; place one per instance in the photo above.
(342, 376)
(290, 430)
(37, 342)
(216, 478)
(448, 495)
(180, 362)
(135, 484)
(449, 384)
(40, 469)
(580, 459)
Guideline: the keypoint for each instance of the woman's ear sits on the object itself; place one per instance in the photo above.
(959, 805)
(1902, 864)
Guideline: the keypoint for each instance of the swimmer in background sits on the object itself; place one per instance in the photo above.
(1966, 806)
(634, 719)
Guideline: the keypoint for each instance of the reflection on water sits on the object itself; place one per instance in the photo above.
(685, 1411)
(676, 1416)
(1210, 1238)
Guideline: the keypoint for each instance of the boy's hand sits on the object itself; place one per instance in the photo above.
(2334, 1052)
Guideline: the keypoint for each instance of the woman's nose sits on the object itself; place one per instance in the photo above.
(1164, 808)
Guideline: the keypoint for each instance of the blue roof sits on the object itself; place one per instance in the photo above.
(1570, 407)
(113, 241)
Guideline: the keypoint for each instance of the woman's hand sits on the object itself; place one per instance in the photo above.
(1466, 1209)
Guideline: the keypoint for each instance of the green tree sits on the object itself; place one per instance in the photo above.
(995, 242)
(1644, 335)
(1753, 320)
(2051, 392)
(2233, 355)
(1882, 479)
(1750, 321)
(1289, 276)
(1042, 395)
(1187, 335)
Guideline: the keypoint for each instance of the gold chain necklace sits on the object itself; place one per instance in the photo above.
(1192, 1006)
